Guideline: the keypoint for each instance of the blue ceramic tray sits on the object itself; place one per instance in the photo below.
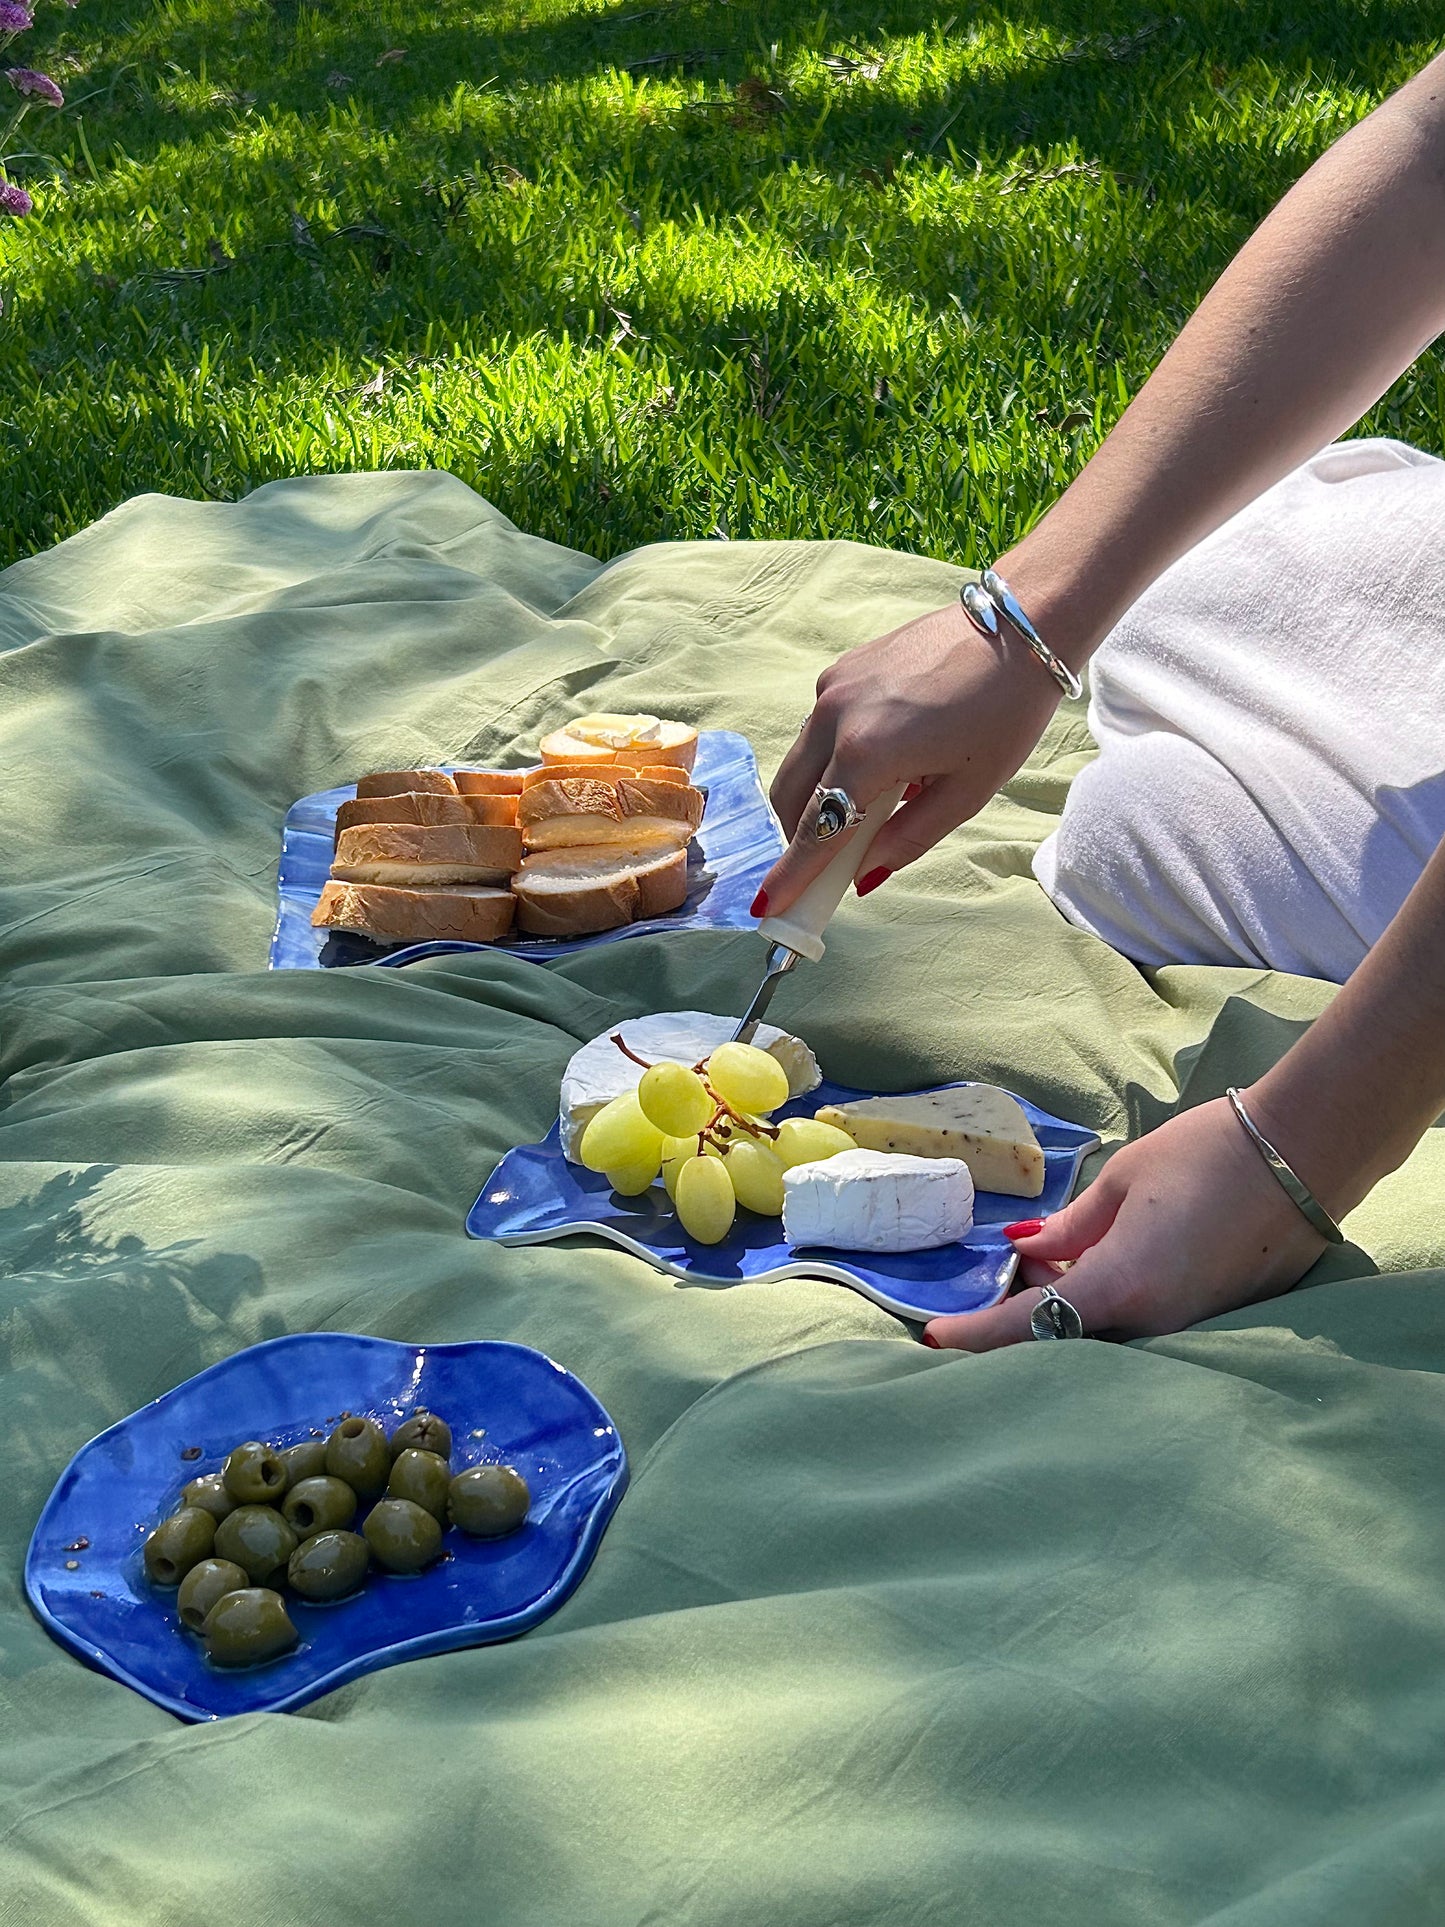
(503, 1402)
(535, 1195)
(737, 845)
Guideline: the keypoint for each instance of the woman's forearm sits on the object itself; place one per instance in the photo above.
(1327, 304)
(1350, 1100)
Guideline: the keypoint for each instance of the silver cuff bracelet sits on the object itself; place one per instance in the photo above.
(990, 598)
(1295, 1186)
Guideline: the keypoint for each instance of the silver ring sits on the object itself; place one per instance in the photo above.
(836, 812)
(1055, 1317)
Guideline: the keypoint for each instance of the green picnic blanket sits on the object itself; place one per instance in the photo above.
(1066, 1634)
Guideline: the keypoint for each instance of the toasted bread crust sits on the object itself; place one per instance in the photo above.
(436, 853)
(550, 903)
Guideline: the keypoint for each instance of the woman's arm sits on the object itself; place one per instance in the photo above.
(1189, 1221)
(1327, 303)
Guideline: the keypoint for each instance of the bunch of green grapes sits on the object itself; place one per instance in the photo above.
(705, 1131)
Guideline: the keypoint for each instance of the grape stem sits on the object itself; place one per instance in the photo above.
(749, 1124)
(627, 1050)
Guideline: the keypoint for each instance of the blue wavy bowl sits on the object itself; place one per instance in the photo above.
(84, 1572)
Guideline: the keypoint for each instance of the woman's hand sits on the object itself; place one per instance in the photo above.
(932, 703)
(1179, 1225)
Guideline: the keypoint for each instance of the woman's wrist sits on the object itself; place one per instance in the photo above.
(1061, 595)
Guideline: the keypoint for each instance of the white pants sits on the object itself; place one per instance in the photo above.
(1270, 718)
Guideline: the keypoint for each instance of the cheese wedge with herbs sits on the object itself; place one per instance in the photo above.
(976, 1122)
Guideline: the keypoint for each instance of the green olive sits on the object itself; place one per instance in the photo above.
(488, 1500)
(422, 1432)
(318, 1505)
(210, 1493)
(245, 1627)
(203, 1585)
(177, 1544)
(329, 1566)
(403, 1536)
(304, 1461)
(257, 1538)
(423, 1478)
(357, 1452)
(254, 1474)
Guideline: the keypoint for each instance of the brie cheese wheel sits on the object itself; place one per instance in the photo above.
(600, 1071)
(976, 1122)
(877, 1201)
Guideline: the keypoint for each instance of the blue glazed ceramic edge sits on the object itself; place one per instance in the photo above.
(450, 1640)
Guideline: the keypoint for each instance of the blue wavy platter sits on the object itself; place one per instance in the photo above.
(84, 1572)
(536, 1195)
(735, 847)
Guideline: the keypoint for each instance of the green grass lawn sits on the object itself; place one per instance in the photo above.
(883, 271)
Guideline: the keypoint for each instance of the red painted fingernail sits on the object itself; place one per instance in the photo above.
(1025, 1228)
(932, 1343)
(760, 905)
(871, 881)
(914, 789)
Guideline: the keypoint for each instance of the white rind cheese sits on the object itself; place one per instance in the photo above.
(976, 1122)
(600, 1071)
(877, 1201)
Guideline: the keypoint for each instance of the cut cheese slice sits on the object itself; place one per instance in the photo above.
(600, 1071)
(976, 1122)
(878, 1201)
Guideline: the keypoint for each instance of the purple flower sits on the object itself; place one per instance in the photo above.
(25, 80)
(14, 200)
(14, 18)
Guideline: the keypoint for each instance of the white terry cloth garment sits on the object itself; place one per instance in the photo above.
(1270, 718)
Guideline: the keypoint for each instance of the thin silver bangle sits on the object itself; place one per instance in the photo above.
(990, 598)
(1293, 1184)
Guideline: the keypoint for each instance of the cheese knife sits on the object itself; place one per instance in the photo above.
(798, 931)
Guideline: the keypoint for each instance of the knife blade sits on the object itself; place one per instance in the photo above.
(797, 932)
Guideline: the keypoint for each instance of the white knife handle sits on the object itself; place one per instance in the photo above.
(800, 927)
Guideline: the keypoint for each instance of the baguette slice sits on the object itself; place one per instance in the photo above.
(425, 807)
(435, 853)
(639, 742)
(394, 782)
(415, 916)
(570, 893)
(489, 782)
(579, 812)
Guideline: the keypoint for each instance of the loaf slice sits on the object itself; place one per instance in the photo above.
(406, 853)
(571, 893)
(395, 782)
(432, 915)
(426, 807)
(605, 772)
(636, 741)
(577, 812)
(489, 782)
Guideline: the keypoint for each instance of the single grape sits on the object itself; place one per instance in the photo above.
(674, 1098)
(705, 1199)
(757, 1176)
(675, 1151)
(747, 1078)
(803, 1140)
(619, 1136)
(634, 1178)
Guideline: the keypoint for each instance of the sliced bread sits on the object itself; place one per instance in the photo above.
(425, 807)
(578, 812)
(415, 916)
(393, 782)
(606, 772)
(570, 893)
(638, 742)
(406, 853)
(489, 782)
